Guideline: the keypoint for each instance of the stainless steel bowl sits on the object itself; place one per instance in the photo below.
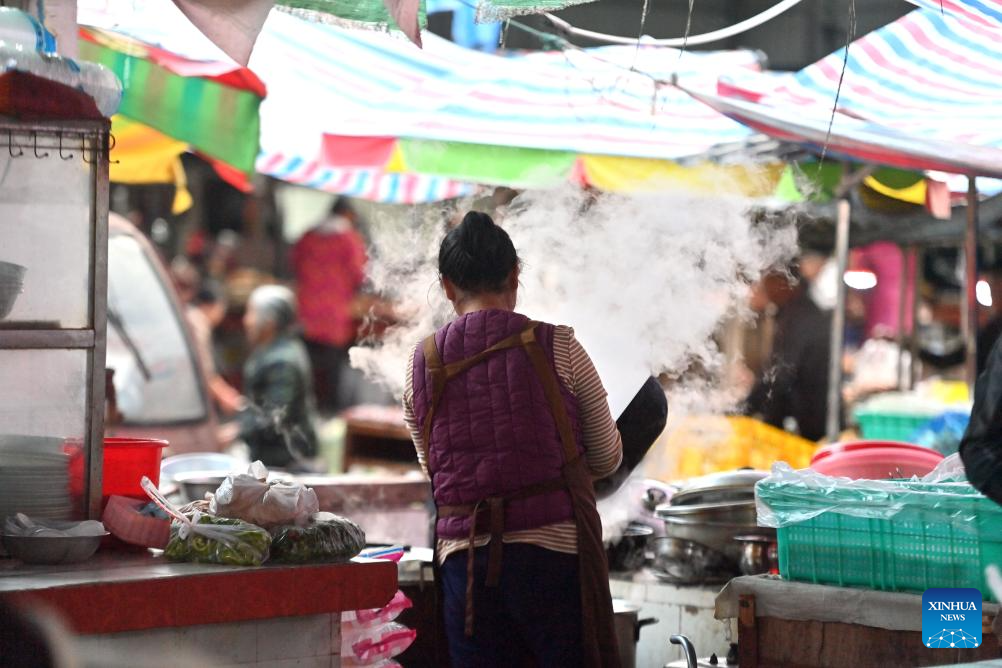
(682, 561)
(196, 484)
(52, 549)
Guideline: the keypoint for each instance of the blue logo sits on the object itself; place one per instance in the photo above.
(951, 618)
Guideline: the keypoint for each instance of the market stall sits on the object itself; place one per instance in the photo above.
(75, 505)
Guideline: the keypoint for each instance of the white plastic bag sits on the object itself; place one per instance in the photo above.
(250, 497)
(374, 646)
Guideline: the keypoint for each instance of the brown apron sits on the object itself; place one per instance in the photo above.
(598, 630)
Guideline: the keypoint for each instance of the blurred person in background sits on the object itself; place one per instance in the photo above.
(276, 421)
(329, 264)
(793, 383)
(209, 310)
(886, 261)
(204, 309)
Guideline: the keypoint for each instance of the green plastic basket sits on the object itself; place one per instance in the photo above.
(881, 426)
(918, 548)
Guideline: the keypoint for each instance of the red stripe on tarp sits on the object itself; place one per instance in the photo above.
(369, 152)
(230, 174)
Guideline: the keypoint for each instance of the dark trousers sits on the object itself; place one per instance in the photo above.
(534, 612)
(328, 364)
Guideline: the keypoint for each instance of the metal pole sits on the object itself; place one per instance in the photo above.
(969, 320)
(915, 256)
(834, 425)
(902, 330)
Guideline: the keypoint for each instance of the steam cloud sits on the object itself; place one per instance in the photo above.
(645, 280)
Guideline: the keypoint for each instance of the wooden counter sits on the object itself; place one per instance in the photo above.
(784, 624)
(265, 616)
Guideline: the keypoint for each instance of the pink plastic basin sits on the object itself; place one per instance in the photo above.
(875, 460)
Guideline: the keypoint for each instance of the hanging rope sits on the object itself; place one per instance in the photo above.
(695, 40)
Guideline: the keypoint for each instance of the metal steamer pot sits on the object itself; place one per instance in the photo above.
(714, 510)
(626, 617)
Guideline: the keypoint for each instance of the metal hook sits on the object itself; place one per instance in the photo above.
(34, 138)
(10, 146)
(112, 142)
(68, 156)
(83, 149)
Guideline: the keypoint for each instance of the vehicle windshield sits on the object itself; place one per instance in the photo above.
(156, 380)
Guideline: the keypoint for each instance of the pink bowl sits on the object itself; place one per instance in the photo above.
(875, 460)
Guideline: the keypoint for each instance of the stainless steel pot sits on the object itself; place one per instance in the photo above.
(714, 525)
(629, 553)
(626, 617)
(683, 562)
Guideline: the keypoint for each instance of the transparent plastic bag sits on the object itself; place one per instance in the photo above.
(326, 538)
(218, 540)
(375, 645)
(250, 497)
(789, 497)
(355, 621)
(211, 540)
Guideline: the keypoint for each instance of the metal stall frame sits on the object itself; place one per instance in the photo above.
(87, 140)
(911, 255)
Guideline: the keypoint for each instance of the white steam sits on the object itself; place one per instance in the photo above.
(645, 280)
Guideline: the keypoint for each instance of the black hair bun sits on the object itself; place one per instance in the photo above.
(477, 255)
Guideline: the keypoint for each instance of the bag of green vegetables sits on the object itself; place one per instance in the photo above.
(218, 540)
(326, 538)
(211, 540)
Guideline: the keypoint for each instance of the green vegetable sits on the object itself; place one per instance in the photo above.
(327, 538)
(245, 544)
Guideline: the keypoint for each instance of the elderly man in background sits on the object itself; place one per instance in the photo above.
(277, 421)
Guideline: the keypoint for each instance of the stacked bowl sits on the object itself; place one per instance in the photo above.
(34, 478)
(11, 285)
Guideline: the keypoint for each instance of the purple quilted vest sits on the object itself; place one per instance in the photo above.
(493, 432)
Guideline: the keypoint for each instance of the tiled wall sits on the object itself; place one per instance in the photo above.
(685, 610)
(304, 642)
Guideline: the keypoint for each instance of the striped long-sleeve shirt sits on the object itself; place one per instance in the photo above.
(602, 444)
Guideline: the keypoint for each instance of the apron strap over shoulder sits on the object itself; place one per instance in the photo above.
(551, 387)
(433, 362)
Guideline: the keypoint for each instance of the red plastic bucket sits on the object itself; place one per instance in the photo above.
(126, 461)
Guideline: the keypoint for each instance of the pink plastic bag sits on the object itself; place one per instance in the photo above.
(375, 645)
(356, 620)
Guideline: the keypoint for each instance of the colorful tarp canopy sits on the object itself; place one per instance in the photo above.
(291, 128)
(213, 106)
(532, 120)
(986, 12)
(921, 93)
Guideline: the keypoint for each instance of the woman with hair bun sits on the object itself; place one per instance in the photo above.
(511, 423)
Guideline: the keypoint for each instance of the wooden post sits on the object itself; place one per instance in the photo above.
(747, 632)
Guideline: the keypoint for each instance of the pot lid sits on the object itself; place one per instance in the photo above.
(669, 510)
(719, 487)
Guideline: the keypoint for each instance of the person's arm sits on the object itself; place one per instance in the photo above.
(409, 418)
(601, 440)
(981, 447)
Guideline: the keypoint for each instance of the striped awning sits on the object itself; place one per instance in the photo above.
(526, 120)
(921, 93)
(985, 12)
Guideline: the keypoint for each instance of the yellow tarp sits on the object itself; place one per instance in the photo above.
(618, 174)
(142, 155)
